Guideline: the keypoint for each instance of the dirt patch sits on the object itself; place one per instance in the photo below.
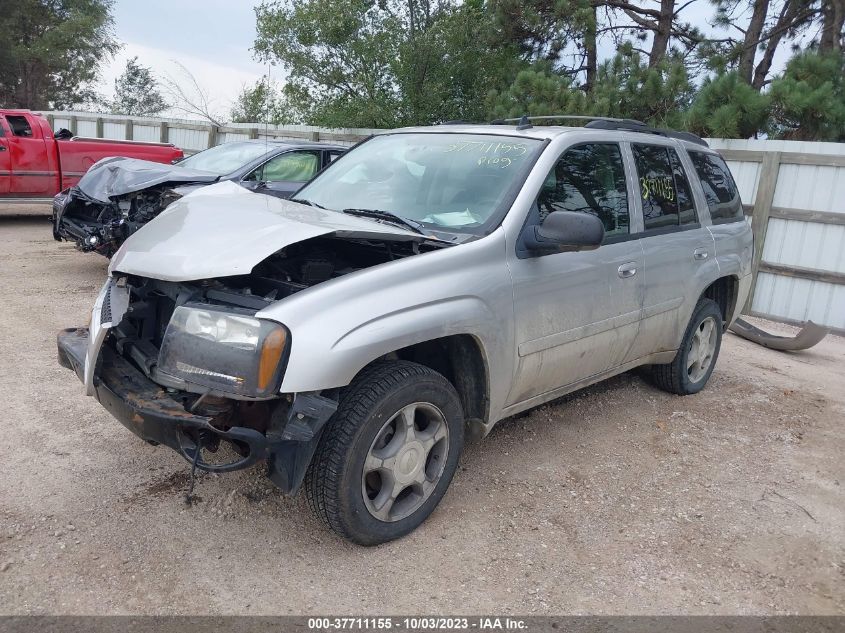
(617, 499)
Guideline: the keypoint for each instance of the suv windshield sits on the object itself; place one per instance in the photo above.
(450, 182)
(226, 158)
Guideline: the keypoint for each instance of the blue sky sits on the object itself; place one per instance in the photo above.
(211, 38)
(219, 31)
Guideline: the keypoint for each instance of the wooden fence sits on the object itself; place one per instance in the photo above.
(794, 194)
(193, 136)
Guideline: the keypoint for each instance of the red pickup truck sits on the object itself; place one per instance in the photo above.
(35, 163)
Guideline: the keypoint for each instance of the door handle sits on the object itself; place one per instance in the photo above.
(700, 254)
(627, 270)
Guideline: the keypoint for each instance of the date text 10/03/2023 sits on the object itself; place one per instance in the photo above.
(417, 623)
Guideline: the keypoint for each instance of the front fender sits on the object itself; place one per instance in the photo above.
(363, 344)
(339, 327)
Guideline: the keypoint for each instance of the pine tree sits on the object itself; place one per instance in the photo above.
(629, 87)
(537, 92)
(136, 92)
(727, 107)
(808, 100)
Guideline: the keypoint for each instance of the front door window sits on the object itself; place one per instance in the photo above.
(589, 178)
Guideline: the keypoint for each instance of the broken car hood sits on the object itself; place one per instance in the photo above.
(224, 230)
(117, 176)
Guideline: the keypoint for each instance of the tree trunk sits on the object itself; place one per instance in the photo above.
(793, 14)
(660, 44)
(591, 52)
(752, 39)
(787, 17)
(833, 21)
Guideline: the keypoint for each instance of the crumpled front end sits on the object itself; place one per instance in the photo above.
(115, 198)
(102, 227)
(117, 360)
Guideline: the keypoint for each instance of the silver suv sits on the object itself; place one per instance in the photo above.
(426, 285)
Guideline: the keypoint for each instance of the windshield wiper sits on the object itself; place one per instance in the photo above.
(387, 216)
(308, 202)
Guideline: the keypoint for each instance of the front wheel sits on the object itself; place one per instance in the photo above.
(690, 370)
(388, 454)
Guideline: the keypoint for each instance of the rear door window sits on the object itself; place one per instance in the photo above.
(664, 188)
(719, 187)
(20, 126)
(589, 178)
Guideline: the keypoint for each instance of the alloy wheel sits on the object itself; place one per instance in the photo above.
(702, 349)
(405, 461)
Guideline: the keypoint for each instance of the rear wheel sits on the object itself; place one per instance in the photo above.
(388, 454)
(690, 370)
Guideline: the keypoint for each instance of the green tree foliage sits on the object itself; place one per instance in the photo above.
(357, 63)
(387, 63)
(136, 92)
(808, 101)
(260, 103)
(726, 106)
(770, 24)
(51, 51)
(542, 30)
(627, 87)
(537, 92)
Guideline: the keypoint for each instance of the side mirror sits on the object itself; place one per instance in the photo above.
(564, 231)
(253, 185)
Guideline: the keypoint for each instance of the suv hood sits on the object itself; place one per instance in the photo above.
(118, 176)
(225, 230)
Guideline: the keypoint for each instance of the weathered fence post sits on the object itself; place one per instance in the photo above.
(766, 185)
(163, 132)
(99, 122)
(213, 131)
(74, 125)
(129, 132)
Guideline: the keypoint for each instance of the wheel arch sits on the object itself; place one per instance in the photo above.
(724, 291)
(460, 358)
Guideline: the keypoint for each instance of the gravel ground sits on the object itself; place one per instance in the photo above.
(620, 499)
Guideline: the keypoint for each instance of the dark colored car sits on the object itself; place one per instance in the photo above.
(118, 196)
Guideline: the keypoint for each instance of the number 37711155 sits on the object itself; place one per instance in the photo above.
(494, 154)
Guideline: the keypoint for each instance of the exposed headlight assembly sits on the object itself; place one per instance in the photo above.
(224, 350)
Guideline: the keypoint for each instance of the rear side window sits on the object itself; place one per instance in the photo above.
(719, 187)
(589, 178)
(20, 126)
(664, 187)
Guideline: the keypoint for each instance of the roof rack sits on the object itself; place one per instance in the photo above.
(574, 117)
(607, 123)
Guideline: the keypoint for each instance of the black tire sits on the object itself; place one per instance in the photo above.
(674, 377)
(333, 482)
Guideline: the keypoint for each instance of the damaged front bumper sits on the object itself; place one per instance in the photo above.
(87, 235)
(151, 413)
